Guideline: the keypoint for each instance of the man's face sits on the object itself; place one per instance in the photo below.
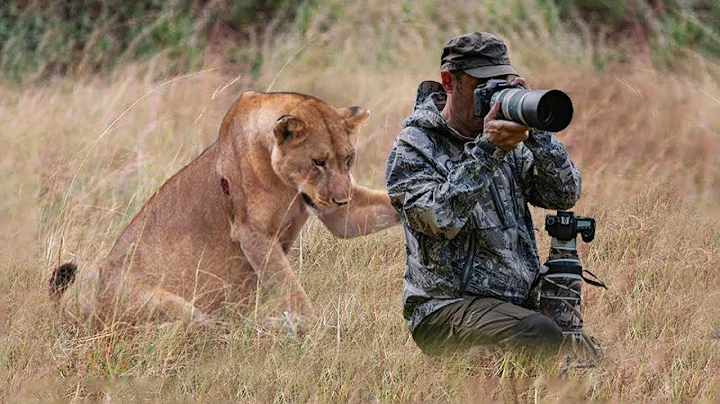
(460, 95)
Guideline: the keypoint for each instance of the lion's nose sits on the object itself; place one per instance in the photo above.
(340, 203)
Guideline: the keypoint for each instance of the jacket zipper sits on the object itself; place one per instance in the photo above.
(513, 194)
(469, 258)
(423, 251)
(496, 201)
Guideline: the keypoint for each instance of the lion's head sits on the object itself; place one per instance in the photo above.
(313, 152)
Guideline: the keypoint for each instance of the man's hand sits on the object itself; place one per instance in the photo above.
(519, 81)
(503, 134)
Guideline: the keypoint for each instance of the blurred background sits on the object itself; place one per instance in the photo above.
(101, 101)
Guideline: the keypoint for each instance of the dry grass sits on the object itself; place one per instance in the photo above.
(83, 155)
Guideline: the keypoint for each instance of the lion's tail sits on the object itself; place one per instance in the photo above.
(61, 278)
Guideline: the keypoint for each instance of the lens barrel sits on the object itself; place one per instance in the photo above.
(549, 110)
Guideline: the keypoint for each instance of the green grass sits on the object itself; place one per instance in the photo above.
(39, 40)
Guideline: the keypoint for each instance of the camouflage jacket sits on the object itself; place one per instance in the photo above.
(463, 203)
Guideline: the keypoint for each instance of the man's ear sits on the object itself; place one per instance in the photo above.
(290, 129)
(447, 80)
(354, 117)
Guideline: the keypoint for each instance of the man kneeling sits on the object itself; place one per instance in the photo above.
(461, 184)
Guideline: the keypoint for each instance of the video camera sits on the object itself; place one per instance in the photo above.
(549, 110)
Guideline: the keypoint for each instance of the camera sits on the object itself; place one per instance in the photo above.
(549, 110)
(565, 226)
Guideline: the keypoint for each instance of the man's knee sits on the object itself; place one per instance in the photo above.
(536, 330)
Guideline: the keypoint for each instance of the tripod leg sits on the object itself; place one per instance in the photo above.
(581, 352)
(592, 347)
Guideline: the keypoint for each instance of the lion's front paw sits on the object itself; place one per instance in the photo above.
(298, 325)
(295, 326)
(297, 304)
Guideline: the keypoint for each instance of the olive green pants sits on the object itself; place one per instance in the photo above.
(482, 321)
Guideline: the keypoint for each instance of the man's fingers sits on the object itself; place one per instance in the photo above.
(519, 81)
(503, 134)
(510, 126)
(525, 136)
(519, 137)
(493, 113)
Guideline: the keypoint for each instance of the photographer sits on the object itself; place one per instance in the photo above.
(461, 184)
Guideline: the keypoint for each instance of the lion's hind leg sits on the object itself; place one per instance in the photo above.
(160, 305)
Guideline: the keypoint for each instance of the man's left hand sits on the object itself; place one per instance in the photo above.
(519, 81)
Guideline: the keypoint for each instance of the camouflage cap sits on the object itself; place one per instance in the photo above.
(479, 54)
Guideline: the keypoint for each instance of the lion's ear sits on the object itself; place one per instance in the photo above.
(354, 117)
(289, 129)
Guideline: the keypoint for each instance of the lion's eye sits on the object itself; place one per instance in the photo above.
(319, 162)
(348, 160)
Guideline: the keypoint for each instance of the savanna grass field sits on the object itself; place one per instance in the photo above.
(87, 143)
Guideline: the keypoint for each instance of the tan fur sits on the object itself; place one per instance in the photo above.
(192, 248)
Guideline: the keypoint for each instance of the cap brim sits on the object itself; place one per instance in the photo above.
(486, 72)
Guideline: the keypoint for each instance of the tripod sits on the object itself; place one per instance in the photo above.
(561, 284)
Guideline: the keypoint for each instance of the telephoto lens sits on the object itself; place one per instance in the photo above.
(550, 110)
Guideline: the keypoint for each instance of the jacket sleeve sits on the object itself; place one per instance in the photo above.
(430, 198)
(549, 179)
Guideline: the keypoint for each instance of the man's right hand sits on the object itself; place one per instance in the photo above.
(503, 134)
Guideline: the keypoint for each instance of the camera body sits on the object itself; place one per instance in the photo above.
(549, 110)
(483, 95)
(565, 226)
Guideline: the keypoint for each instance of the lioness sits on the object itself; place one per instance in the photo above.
(228, 219)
